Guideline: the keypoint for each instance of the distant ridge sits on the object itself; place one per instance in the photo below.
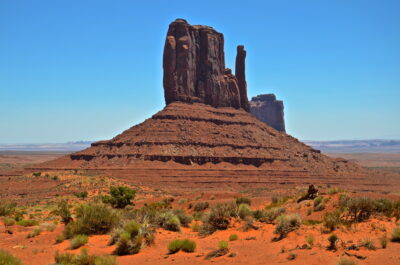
(356, 146)
(52, 147)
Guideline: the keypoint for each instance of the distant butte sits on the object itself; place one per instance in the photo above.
(269, 110)
(205, 134)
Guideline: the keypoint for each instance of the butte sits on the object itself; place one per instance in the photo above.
(205, 135)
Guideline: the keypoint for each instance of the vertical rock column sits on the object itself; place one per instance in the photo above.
(240, 73)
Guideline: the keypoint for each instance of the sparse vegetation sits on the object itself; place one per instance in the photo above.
(35, 232)
(286, 224)
(91, 219)
(383, 241)
(201, 206)
(120, 196)
(218, 218)
(233, 237)
(396, 235)
(332, 242)
(243, 200)
(368, 244)
(331, 220)
(78, 241)
(344, 261)
(188, 245)
(84, 258)
(8, 259)
(184, 219)
(7, 208)
(310, 240)
(8, 221)
(244, 210)
(269, 216)
(174, 246)
(81, 195)
(27, 222)
(64, 212)
(223, 244)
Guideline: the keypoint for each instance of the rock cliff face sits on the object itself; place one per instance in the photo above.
(269, 110)
(194, 68)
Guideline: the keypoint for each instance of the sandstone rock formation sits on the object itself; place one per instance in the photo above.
(269, 110)
(204, 133)
(194, 68)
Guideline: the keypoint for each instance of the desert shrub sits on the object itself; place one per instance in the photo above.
(81, 195)
(7, 208)
(78, 241)
(132, 237)
(368, 243)
(182, 201)
(244, 211)
(119, 197)
(223, 244)
(59, 239)
(344, 261)
(184, 219)
(84, 258)
(8, 259)
(396, 235)
(359, 208)
(169, 221)
(35, 232)
(8, 221)
(27, 222)
(92, 219)
(128, 245)
(383, 241)
(310, 240)
(195, 227)
(286, 224)
(269, 216)
(48, 227)
(233, 237)
(201, 206)
(277, 201)
(218, 218)
(331, 220)
(243, 200)
(320, 207)
(64, 212)
(188, 245)
(174, 246)
(36, 174)
(332, 241)
(319, 204)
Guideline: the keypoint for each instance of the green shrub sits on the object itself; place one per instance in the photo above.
(8, 221)
(201, 206)
(174, 246)
(36, 174)
(92, 219)
(78, 241)
(344, 261)
(48, 227)
(188, 245)
(383, 241)
(182, 201)
(8, 259)
(169, 221)
(60, 239)
(287, 224)
(35, 232)
(244, 211)
(128, 245)
(195, 227)
(218, 218)
(81, 195)
(332, 241)
(64, 212)
(310, 240)
(223, 244)
(269, 216)
(368, 243)
(233, 237)
(84, 258)
(120, 196)
(7, 208)
(27, 222)
(184, 219)
(277, 201)
(396, 235)
(243, 200)
(331, 220)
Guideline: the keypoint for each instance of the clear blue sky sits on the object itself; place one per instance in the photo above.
(87, 70)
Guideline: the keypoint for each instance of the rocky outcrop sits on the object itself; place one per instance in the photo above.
(269, 110)
(194, 68)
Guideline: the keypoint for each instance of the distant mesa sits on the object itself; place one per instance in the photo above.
(206, 129)
(269, 110)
